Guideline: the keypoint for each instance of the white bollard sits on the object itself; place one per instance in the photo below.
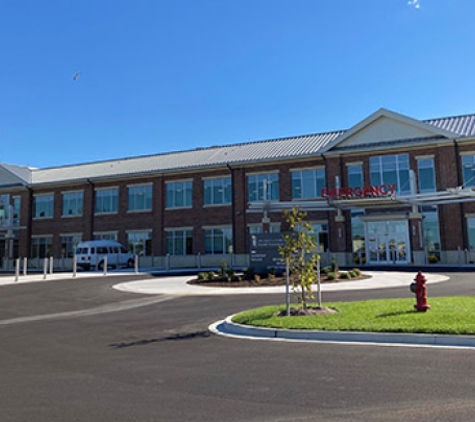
(45, 268)
(75, 265)
(105, 266)
(17, 269)
(51, 259)
(25, 266)
(136, 264)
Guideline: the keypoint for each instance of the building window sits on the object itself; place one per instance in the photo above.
(179, 194)
(355, 175)
(140, 243)
(217, 191)
(73, 203)
(358, 237)
(140, 198)
(263, 187)
(44, 206)
(4, 209)
(430, 224)
(320, 231)
(41, 246)
(307, 184)
(258, 229)
(107, 201)
(426, 173)
(468, 168)
(106, 236)
(16, 210)
(391, 170)
(68, 245)
(179, 241)
(218, 240)
(471, 232)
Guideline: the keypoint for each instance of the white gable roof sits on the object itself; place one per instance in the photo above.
(387, 126)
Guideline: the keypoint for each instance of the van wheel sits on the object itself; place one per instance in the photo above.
(130, 263)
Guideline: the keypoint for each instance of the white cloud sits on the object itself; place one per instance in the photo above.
(415, 3)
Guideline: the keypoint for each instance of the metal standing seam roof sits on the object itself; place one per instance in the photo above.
(460, 125)
(245, 153)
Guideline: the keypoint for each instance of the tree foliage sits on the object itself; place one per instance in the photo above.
(299, 249)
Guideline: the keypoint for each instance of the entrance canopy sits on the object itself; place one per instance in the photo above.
(450, 196)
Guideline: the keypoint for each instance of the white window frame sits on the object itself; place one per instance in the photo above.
(50, 213)
(227, 246)
(263, 188)
(179, 235)
(81, 199)
(144, 194)
(317, 190)
(111, 199)
(137, 249)
(213, 202)
(170, 203)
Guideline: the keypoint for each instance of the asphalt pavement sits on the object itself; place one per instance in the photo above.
(178, 286)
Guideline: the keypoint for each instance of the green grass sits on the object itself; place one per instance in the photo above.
(447, 315)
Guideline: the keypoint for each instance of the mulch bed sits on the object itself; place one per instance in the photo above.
(264, 282)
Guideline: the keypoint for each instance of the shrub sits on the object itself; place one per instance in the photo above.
(230, 274)
(345, 275)
(352, 274)
(332, 276)
(210, 276)
(257, 277)
(202, 276)
(357, 271)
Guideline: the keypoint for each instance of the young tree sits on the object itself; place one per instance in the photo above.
(299, 249)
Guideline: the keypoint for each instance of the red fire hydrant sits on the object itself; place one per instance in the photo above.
(421, 293)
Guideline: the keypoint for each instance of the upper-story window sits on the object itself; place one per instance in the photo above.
(107, 201)
(391, 170)
(140, 198)
(16, 210)
(426, 174)
(263, 187)
(44, 206)
(468, 168)
(218, 191)
(180, 194)
(308, 183)
(355, 175)
(73, 203)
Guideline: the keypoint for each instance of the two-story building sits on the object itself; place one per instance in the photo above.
(389, 190)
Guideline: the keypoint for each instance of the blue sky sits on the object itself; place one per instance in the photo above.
(168, 75)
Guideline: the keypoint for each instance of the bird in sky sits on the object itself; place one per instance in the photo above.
(76, 76)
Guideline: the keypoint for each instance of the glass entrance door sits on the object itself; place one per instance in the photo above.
(388, 242)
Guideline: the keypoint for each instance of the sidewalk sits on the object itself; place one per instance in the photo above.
(178, 285)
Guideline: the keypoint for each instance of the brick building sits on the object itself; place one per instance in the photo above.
(389, 190)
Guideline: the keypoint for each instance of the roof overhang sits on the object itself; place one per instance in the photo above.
(450, 196)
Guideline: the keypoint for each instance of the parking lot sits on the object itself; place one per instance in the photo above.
(77, 350)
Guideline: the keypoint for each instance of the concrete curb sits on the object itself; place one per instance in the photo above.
(230, 329)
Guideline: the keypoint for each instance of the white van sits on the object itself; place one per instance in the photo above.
(93, 253)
